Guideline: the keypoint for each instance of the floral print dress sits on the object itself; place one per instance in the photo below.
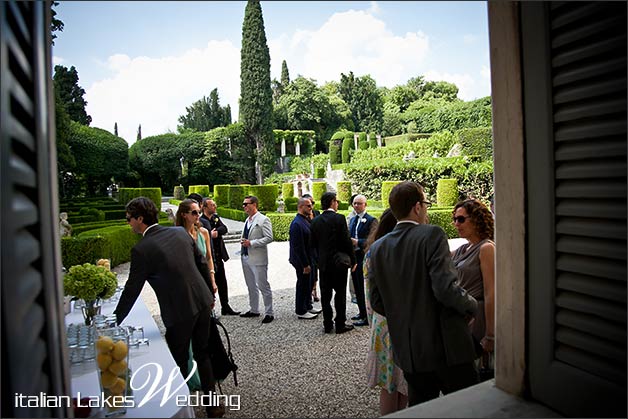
(381, 370)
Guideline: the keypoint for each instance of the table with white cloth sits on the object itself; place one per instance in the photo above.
(85, 374)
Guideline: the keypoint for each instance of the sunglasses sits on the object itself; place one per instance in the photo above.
(460, 219)
(194, 212)
(244, 204)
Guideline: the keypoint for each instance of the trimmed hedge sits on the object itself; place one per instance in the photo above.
(287, 190)
(202, 190)
(126, 194)
(232, 214)
(267, 195)
(221, 195)
(344, 191)
(442, 218)
(372, 141)
(335, 151)
(477, 141)
(318, 189)
(281, 225)
(319, 172)
(447, 192)
(347, 146)
(179, 193)
(386, 188)
(236, 195)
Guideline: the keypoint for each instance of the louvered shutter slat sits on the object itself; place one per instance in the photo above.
(591, 363)
(590, 305)
(592, 325)
(588, 188)
(589, 71)
(596, 267)
(612, 249)
(603, 147)
(590, 227)
(603, 209)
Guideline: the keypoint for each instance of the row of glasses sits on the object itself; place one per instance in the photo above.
(80, 340)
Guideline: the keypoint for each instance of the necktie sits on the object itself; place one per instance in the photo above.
(245, 250)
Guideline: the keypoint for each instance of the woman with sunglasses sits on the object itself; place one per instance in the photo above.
(475, 263)
(188, 217)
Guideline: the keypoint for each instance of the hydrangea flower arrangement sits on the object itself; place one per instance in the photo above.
(90, 282)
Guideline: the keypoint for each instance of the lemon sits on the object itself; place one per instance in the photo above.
(108, 379)
(103, 361)
(104, 344)
(119, 350)
(118, 387)
(118, 367)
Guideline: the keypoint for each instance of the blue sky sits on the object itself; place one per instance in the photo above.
(143, 62)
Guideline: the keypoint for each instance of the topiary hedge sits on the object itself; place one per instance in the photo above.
(372, 139)
(236, 195)
(267, 196)
(319, 172)
(126, 194)
(287, 191)
(202, 190)
(335, 151)
(447, 192)
(232, 214)
(347, 147)
(442, 217)
(477, 141)
(343, 189)
(386, 188)
(281, 225)
(179, 193)
(318, 189)
(221, 195)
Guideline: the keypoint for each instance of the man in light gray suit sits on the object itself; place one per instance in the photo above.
(413, 284)
(257, 233)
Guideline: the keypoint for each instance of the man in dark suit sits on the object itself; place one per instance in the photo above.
(167, 257)
(330, 235)
(413, 284)
(360, 228)
(216, 231)
(301, 259)
(314, 271)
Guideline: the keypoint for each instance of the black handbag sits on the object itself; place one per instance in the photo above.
(342, 260)
(221, 358)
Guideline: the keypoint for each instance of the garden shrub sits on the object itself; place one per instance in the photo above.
(372, 141)
(447, 192)
(221, 195)
(318, 189)
(232, 214)
(287, 191)
(179, 193)
(403, 138)
(202, 190)
(386, 188)
(175, 202)
(439, 143)
(267, 196)
(115, 215)
(319, 172)
(442, 218)
(281, 225)
(335, 151)
(347, 147)
(291, 203)
(127, 194)
(236, 195)
(363, 145)
(343, 189)
(76, 251)
(477, 141)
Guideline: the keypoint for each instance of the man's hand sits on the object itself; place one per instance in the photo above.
(353, 267)
(355, 241)
(214, 233)
(245, 242)
(307, 270)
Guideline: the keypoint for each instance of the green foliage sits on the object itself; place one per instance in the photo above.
(66, 163)
(99, 156)
(372, 141)
(318, 189)
(422, 146)
(386, 188)
(364, 101)
(232, 214)
(347, 149)
(319, 172)
(280, 178)
(267, 195)
(221, 167)
(81, 227)
(202, 190)
(71, 94)
(281, 225)
(126, 194)
(205, 114)
(339, 135)
(287, 191)
(175, 202)
(404, 138)
(335, 151)
(179, 193)
(363, 145)
(477, 142)
(56, 25)
(89, 282)
(442, 217)
(343, 191)
(306, 139)
(256, 103)
(285, 75)
(438, 114)
(447, 192)
(236, 195)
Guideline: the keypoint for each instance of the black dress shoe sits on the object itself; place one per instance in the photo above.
(249, 314)
(361, 322)
(358, 317)
(229, 312)
(215, 411)
(343, 329)
(268, 319)
(329, 329)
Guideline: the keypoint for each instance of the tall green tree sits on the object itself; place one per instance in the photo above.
(115, 129)
(65, 159)
(279, 87)
(139, 132)
(205, 114)
(364, 100)
(256, 101)
(56, 25)
(65, 81)
(285, 75)
(440, 90)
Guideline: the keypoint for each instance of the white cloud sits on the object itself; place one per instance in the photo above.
(351, 41)
(469, 39)
(374, 8)
(57, 60)
(155, 91)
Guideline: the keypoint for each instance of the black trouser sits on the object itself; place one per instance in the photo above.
(303, 297)
(334, 280)
(357, 277)
(221, 283)
(424, 386)
(178, 338)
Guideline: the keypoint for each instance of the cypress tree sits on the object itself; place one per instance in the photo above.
(115, 129)
(256, 106)
(139, 132)
(285, 76)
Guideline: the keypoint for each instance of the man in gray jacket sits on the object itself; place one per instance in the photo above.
(413, 284)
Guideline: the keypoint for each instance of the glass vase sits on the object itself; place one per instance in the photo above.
(90, 309)
(112, 359)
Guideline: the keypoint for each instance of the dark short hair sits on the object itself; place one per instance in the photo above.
(327, 199)
(253, 199)
(403, 197)
(143, 207)
(197, 197)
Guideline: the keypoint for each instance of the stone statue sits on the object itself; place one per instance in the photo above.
(64, 227)
(456, 150)
(409, 156)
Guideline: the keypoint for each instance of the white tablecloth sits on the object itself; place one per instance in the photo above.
(85, 375)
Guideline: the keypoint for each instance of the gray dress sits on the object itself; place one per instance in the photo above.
(467, 262)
